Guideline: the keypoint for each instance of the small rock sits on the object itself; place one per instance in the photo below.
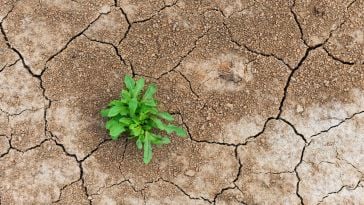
(208, 118)
(105, 9)
(299, 109)
(326, 83)
(229, 105)
(190, 173)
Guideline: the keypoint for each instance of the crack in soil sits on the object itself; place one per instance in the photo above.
(117, 52)
(20, 112)
(235, 180)
(294, 129)
(116, 184)
(350, 4)
(9, 65)
(185, 193)
(13, 48)
(260, 53)
(291, 74)
(130, 23)
(62, 189)
(336, 58)
(157, 12)
(297, 175)
(339, 190)
(8, 150)
(189, 83)
(79, 162)
(187, 54)
(28, 149)
(295, 17)
(338, 124)
(247, 140)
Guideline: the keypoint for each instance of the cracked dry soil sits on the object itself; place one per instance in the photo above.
(270, 92)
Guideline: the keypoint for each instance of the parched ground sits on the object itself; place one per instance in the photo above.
(270, 92)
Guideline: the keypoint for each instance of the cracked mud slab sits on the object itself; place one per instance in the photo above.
(73, 116)
(193, 169)
(155, 46)
(276, 34)
(334, 163)
(73, 193)
(347, 43)
(19, 90)
(36, 176)
(271, 94)
(323, 92)
(229, 80)
(119, 193)
(318, 19)
(268, 166)
(27, 129)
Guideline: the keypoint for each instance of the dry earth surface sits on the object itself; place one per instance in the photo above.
(270, 92)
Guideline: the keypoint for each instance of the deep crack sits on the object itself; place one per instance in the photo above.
(295, 17)
(336, 58)
(291, 75)
(117, 52)
(297, 175)
(294, 129)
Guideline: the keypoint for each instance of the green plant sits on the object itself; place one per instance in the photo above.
(138, 116)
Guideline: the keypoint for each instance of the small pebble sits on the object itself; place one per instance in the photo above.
(190, 173)
(299, 109)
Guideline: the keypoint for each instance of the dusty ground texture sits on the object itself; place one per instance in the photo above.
(270, 92)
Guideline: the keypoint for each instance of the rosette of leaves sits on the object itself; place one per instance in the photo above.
(136, 114)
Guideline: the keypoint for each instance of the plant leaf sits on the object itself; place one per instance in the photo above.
(129, 82)
(178, 130)
(125, 121)
(117, 110)
(145, 109)
(166, 116)
(138, 87)
(123, 111)
(115, 131)
(147, 150)
(159, 140)
(139, 143)
(113, 111)
(150, 102)
(135, 129)
(150, 92)
(111, 123)
(105, 112)
(125, 95)
(116, 102)
(160, 125)
(133, 105)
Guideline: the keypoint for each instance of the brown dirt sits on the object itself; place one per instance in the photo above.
(270, 92)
